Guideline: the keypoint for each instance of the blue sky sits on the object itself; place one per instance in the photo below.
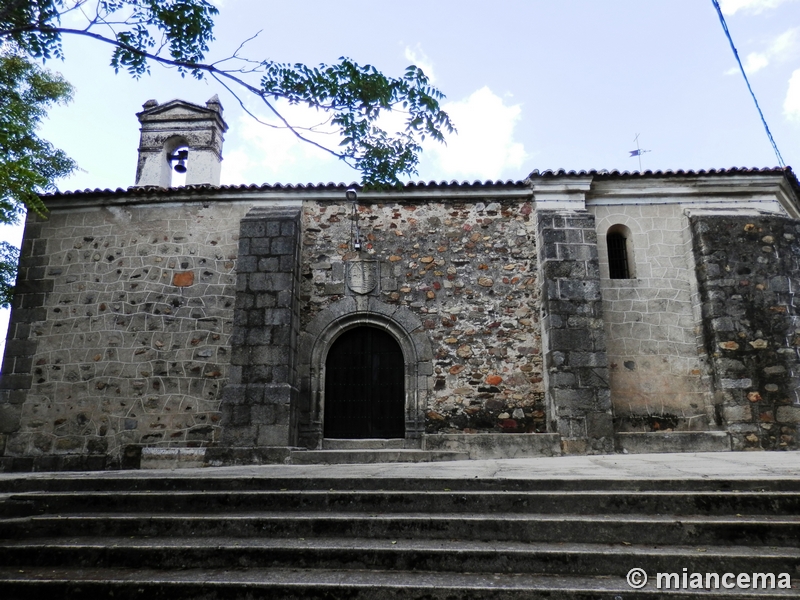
(534, 84)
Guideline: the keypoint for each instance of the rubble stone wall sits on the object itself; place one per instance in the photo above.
(468, 270)
(749, 273)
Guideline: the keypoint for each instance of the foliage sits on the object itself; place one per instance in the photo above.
(185, 27)
(29, 165)
(357, 95)
(9, 257)
(177, 33)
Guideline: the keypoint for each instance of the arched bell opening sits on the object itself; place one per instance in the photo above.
(176, 153)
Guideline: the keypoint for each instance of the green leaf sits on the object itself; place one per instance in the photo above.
(29, 165)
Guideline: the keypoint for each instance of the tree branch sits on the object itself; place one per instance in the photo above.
(236, 52)
(215, 72)
(287, 125)
(352, 95)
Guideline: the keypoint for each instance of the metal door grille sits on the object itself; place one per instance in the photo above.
(617, 256)
(364, 386)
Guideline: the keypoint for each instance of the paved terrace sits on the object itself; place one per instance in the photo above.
(708, 465)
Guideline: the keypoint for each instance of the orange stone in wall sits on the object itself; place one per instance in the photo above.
(183, 279)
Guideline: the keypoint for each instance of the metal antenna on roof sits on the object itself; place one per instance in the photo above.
(638, 152)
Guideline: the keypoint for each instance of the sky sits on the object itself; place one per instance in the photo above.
(529, 84)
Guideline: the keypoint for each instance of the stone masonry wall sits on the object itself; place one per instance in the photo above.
(579, 402)
(28, 308)
(262, 389)
(468, 270)
(660, 377)
(749, 272)
(129, 340)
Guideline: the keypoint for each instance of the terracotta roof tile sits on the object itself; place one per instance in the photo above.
(509, 183)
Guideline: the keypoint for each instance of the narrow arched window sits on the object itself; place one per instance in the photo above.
(620, 255)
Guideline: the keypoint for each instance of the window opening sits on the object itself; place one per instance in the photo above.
(618, 267)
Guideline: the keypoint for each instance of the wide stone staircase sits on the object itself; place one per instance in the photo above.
(208, 535)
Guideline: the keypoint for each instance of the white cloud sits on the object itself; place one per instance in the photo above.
(731, 7)
(753, 62)
(269, 154)
(419, 58)
(781, 48)
(484, 147)
(784, 43)
(791, 104)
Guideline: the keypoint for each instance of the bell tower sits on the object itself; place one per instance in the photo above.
(183, 137)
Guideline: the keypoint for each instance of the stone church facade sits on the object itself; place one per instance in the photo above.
(569, 312)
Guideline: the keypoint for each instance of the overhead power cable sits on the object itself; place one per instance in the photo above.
(747, 81)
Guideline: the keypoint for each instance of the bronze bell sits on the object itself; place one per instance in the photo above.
(181, 157)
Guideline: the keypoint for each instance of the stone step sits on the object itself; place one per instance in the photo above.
(218, 479)
(442, 500)
(316, 584)
(387, 554)
(370, 456)
(775, 531)
(207, 534)
(363, 444)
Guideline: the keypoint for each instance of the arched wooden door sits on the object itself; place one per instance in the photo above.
(365, 386)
